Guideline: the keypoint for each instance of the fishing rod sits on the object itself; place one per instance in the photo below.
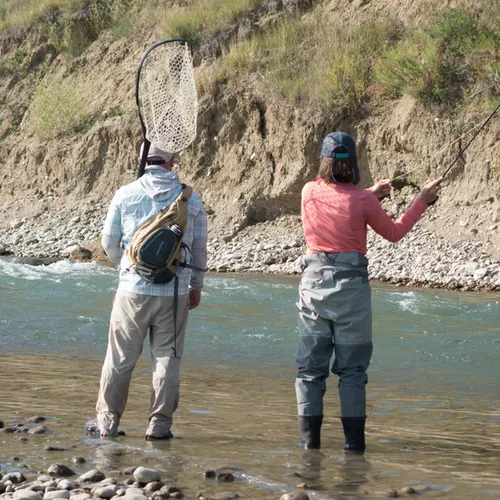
(462, 151)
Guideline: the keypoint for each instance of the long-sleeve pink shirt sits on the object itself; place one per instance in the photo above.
(336, 216)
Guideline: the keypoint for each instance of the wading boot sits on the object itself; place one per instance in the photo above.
(354, 432)
(310, 431)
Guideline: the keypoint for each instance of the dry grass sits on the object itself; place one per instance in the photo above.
(58, 108)
(317, 63)
(202, 18)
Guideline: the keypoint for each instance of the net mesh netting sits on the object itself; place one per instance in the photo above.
(167, 96)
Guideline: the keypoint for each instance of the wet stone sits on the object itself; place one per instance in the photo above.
(37, 487)
(14, 477)
(36, 419)
(65, 484)
(391, 493)
(78, 460)
(409, 490)
(26, 494)
(168, 490)
(79, 491)
(106, 492)
(51, 495)
(38, 429)
(225, 495)
(295, 495)
(60, 470)
(209, 474)
(145, 475)
(92, 476)
(225, 477)
(152, 487)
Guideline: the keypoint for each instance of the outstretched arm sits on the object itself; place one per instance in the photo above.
(381, 188)
(395, 230)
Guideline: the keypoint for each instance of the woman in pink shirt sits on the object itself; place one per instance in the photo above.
(334, 304)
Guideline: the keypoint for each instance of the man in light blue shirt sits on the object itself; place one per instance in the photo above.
(140, 307)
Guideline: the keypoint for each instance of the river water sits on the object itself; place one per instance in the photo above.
(433, 392)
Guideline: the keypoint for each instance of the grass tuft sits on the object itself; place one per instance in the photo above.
(438, 62)
(58, 109)
(202, 18)
(316, 62)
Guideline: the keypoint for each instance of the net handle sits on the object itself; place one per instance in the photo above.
(147, 143)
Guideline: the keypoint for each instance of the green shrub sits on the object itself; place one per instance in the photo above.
(437, 63)
(58, 108)
(411, 67)
(316, 62)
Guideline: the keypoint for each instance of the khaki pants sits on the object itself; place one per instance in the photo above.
(133, 315)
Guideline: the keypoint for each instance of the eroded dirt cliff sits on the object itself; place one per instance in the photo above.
(253, 152)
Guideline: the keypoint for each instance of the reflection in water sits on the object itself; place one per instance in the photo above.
(248, 423)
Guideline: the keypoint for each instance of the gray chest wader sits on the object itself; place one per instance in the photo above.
(334, 316)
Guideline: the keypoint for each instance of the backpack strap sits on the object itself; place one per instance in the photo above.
(176, 212)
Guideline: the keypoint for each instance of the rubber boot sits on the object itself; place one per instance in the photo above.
(310, 431)
(354, 432)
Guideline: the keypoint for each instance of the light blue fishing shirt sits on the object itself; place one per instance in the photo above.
(139, 201)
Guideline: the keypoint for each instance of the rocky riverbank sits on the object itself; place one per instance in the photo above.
(421, 259)
(81, 479)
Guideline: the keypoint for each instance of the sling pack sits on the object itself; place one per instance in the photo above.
(156, 247)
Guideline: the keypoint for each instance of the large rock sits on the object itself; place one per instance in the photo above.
(92, 476)
(145, 475)
(14, 477)
(52, 495)
(26, 494)
(60, 470)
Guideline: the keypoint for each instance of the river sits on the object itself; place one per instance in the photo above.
(433, 392)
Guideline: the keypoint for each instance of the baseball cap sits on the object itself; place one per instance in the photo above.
(156, 152)
(338, 140)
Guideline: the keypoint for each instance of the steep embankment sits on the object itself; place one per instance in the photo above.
(253, 153)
